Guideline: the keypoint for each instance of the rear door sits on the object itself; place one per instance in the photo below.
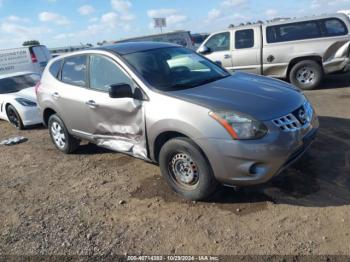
(114, 123)
(69, 95)
(220, 49)
(246, 54)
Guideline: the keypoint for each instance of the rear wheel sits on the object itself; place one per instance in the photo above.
(14, 118)
(63, 141)
(186, 170)
(306, 75)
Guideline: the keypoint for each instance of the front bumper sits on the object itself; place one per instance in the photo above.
(337, 65)
(251, 162)
(31, 116)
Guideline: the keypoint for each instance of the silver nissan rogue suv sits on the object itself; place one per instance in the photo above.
(166, 104)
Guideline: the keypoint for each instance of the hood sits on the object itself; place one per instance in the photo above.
(260, 97)
(28, 93)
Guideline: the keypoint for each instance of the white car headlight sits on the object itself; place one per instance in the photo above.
(240, 126)
(25, 102)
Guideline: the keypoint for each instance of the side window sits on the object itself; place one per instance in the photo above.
(244, 39)
(335, 27)
(55, 68)
(219, 42)
(74, 70)
(293, 31)
(104, 72)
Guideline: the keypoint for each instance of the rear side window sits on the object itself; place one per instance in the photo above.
(104, 72)
(293, 31)
(334, 27)
(219, 42)
(244, 39)
(55, 68)
(74, 70)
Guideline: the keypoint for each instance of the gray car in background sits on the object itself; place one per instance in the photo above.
(299, 50)
(166, 104)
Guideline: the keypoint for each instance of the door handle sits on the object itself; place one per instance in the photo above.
(91, 104)
(56, 95)
(227, 56)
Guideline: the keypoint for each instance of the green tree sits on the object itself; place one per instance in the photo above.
(31, 42)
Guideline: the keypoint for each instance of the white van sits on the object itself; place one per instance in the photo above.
(28, 58)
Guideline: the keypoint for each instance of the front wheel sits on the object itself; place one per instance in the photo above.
(306, 75)
(63, 141)
(186, 170)
(14, 117)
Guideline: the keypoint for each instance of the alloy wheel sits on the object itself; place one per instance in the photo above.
(13, 118)
(58, 135)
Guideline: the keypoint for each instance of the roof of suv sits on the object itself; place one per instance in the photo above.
(133, 47)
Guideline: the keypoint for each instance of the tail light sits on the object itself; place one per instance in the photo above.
(37, 86)
(33, 57)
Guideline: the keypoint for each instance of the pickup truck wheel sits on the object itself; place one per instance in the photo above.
(186, 170)
(14, 118)
(306, 75)
(60, 136)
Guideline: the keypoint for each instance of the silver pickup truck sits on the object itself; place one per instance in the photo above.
(299, 50)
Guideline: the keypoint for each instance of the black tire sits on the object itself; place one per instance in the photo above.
(14, 117)
(306, 75)
(69, 143)
(182, 149)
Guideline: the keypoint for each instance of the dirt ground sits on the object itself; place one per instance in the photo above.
(99, 202)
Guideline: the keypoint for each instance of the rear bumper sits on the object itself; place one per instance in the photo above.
(252, 162)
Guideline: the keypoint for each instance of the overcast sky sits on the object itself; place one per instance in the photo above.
(69, 22)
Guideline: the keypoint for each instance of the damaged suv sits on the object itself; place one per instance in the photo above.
(166, 104)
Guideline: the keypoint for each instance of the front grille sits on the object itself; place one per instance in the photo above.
(287, 123)
(301, 117)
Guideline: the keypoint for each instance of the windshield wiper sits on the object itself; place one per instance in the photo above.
(190, 85)
(210, 80)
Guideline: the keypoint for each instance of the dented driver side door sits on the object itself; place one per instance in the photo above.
(114, 123)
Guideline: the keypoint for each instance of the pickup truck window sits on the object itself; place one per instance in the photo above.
(335, 27)
(244, 38)
(219, 42)
(293, 31)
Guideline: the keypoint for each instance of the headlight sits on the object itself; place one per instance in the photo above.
(25, 102)
(240, 126)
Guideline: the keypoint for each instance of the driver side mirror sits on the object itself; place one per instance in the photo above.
(204, 50)
(124, 91)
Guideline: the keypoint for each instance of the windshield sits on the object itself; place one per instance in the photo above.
(17, 83)
(170, 69)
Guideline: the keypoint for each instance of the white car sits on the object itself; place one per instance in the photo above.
(18, 99)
